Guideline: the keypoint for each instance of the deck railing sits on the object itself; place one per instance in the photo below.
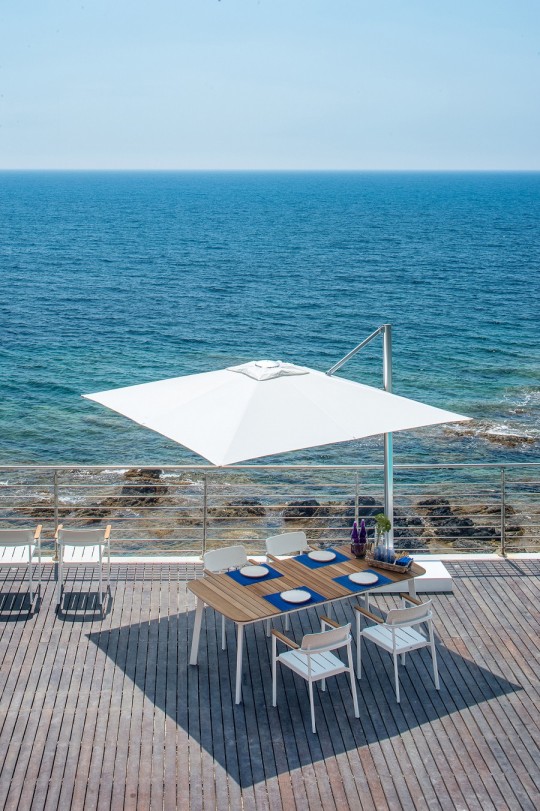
(186, 510)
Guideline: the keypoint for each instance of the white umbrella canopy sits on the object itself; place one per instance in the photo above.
(265, 408)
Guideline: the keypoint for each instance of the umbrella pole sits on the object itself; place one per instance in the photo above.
(388, 446)
(386, 330)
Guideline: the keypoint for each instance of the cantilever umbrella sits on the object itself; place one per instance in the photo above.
(265, 408)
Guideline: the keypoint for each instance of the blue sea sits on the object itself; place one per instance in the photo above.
(110, 279)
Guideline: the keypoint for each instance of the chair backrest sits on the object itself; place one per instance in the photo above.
(409, 616)
(326, 640)
(16, 537)
(81, 537)
(217, 560)
(288, 543)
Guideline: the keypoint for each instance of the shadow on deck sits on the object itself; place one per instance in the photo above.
(269, 741)
(102, 709)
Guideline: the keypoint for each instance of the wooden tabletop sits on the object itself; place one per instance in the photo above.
(247, 604)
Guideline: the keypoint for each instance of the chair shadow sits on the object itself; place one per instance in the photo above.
(13, 604)
(254, 741)
(77, 606)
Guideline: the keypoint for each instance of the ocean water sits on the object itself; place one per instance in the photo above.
(111, 279)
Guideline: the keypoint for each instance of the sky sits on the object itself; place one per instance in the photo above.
(270, 84)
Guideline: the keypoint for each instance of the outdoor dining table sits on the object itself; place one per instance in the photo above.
(246, 604)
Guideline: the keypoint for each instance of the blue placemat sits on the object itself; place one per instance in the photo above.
(344, 581)
(249, 581)
(276, 600)
(305, 560)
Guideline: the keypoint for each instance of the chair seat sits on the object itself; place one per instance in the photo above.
(406, 638)
(322, 664)
(80, 554)
(14, 555)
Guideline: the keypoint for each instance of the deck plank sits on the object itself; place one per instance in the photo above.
(104, 712)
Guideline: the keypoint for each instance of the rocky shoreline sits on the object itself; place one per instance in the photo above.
(148, 509)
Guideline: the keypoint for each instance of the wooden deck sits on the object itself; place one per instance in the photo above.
(105, 713)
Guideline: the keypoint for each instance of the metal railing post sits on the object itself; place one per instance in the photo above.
(388, 443)
(503, 512)
(356, 497)
(56, 522)
(205, 511)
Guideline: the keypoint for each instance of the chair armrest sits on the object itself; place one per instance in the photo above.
(368, 614)
(107, 532)
(328, 621)
(410, 599)
(273, 557)
(285, 639)
(37, 533)
(60, 526)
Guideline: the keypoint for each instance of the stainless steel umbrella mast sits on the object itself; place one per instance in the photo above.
(386, 331)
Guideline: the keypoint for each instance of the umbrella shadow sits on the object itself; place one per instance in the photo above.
(254, 741)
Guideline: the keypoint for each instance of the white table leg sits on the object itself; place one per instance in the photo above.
(196, 632)
(239, 653)
(412, 587)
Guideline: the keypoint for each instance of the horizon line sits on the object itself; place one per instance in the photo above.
(268, 170)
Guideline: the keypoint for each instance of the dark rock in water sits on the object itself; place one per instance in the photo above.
(240, 508)
(486, 533)
(410, 520)
(410, 544)
(143, 473)
(93, 513)
(407, 528)
(509, 440)
(437, 501)
(130, 491)
(303, 509)
(141, 494)
(369, 506)
(456, 527)
(487, 509)
(486, 432)
(146, 492)
(465, 543)
(43, 512)
(341, 509)
(440, 512)
(452, 526)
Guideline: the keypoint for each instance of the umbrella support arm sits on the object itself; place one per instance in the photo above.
(386, 331)
(356, 349)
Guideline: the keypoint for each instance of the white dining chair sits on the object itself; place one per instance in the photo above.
(222, 560)
(314, 660)
(286, 544)
(17, 548)
(397, 634)
(83, 546)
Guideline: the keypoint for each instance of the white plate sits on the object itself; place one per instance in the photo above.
(363, 578)
(322, 556)
(295, 596)
(254, 571)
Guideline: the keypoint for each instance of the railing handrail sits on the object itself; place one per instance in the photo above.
(184, 514)
(305, 466)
